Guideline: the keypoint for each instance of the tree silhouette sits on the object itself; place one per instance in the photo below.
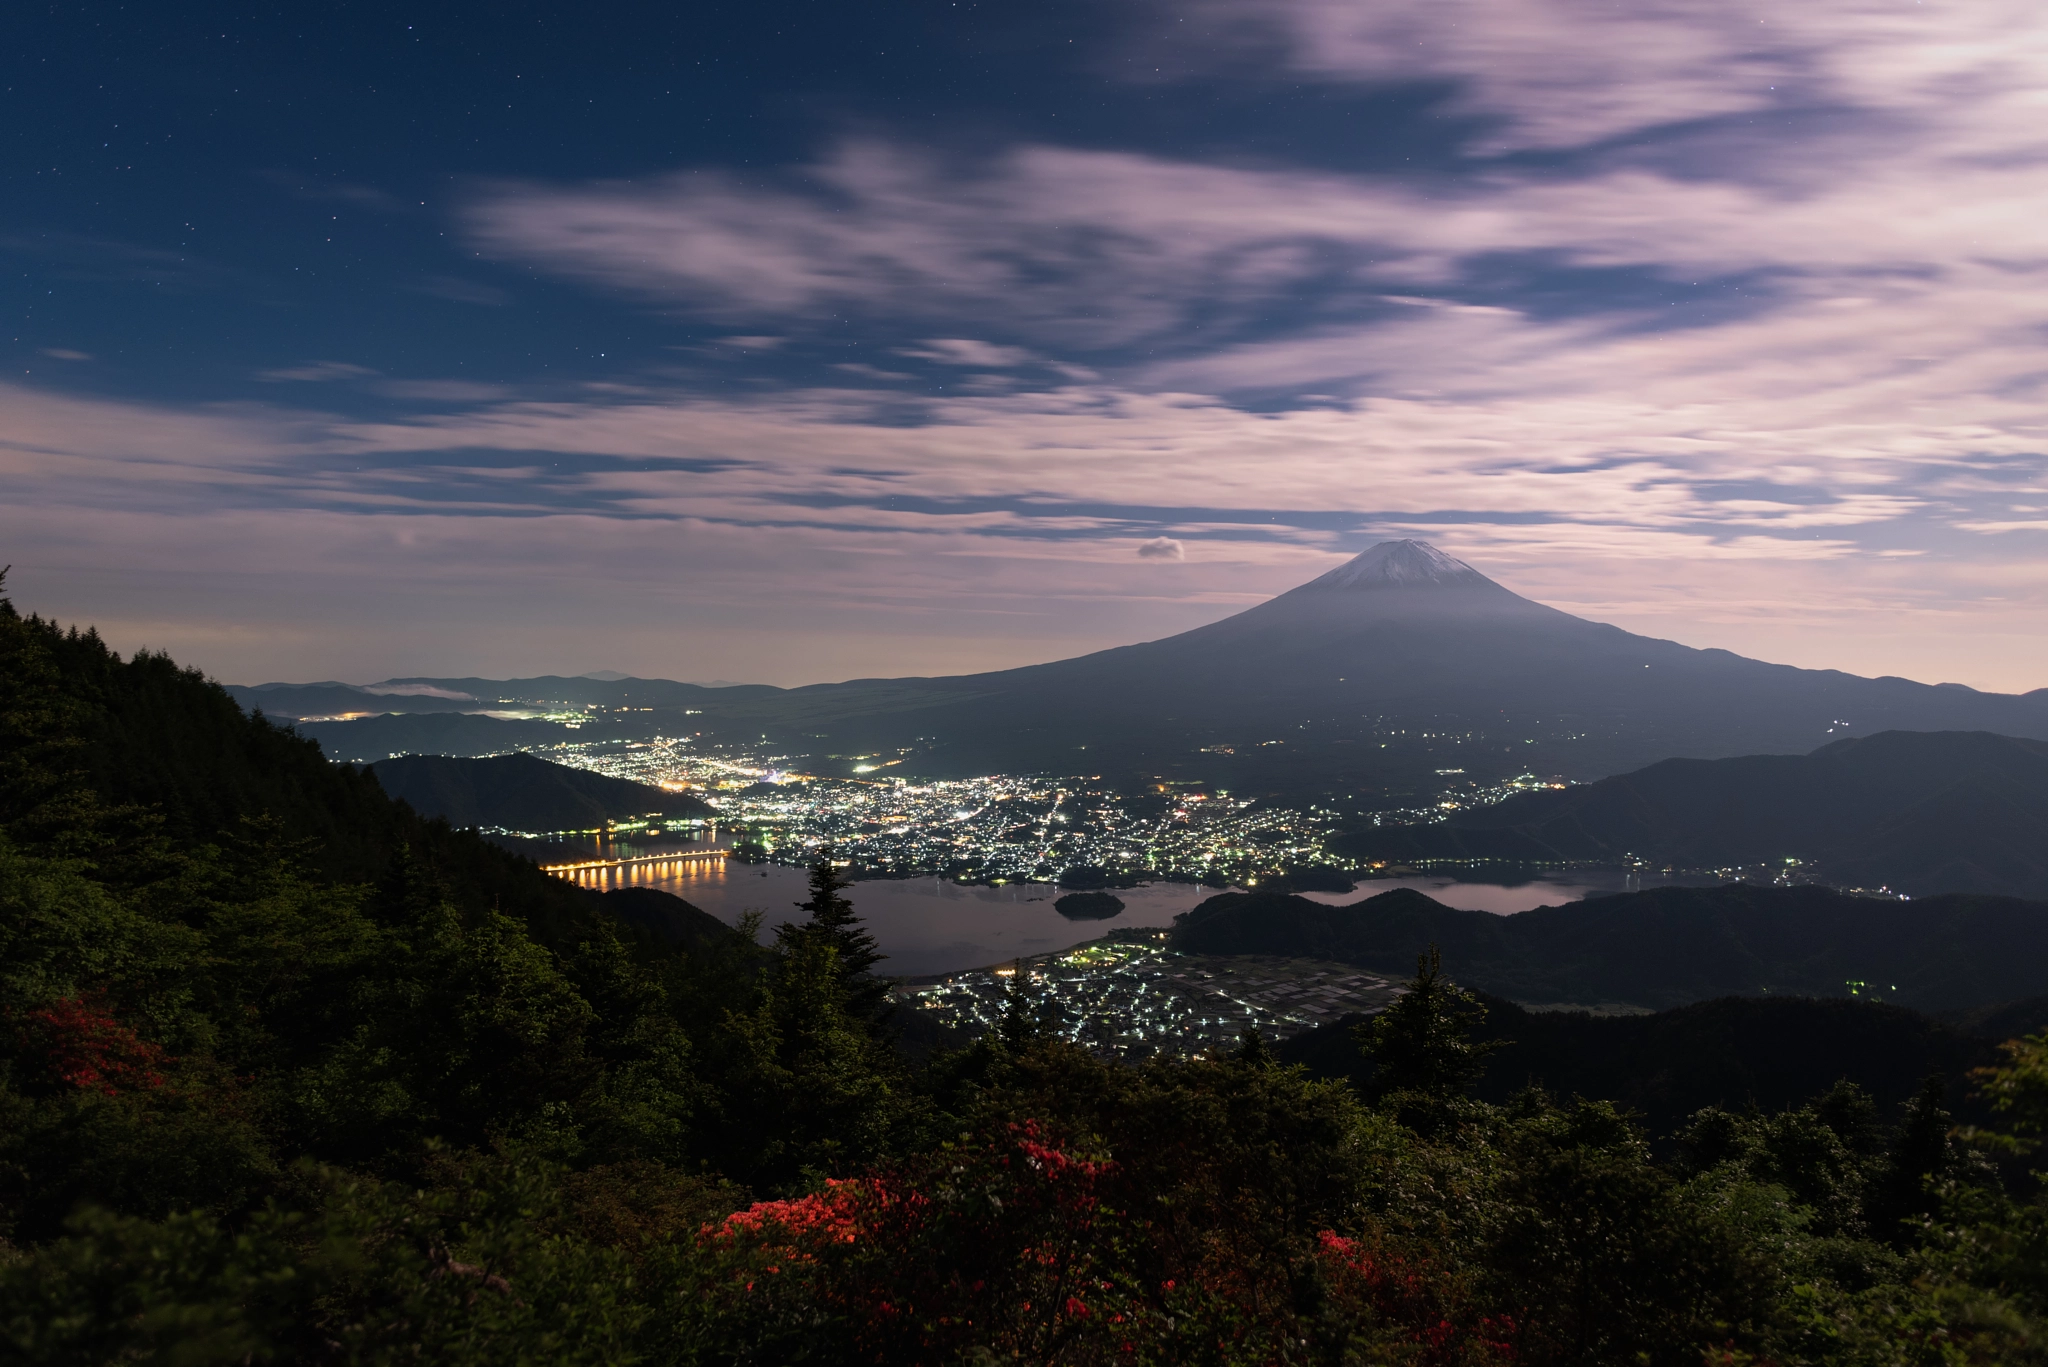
(1421, 1043)
(832, 922)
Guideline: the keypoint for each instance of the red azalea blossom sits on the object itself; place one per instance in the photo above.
(1402, 1292)
(993, 1244)
(91, 1050)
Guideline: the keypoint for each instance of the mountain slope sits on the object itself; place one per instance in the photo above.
(668, 916)
(1921, 812)
(1370, 678)
(523, 793)
(1667, 946)
(1389, 666)
(171, 746)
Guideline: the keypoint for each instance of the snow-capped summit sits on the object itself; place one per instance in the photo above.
(1399, 564)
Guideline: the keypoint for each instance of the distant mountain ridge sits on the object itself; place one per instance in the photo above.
(299, 702)
(371, 740)
(1369, 678)
(1920, 812)
(1665, 947)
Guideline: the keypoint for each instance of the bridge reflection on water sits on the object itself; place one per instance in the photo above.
(642, 869)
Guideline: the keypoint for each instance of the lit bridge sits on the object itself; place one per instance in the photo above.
(648, 867)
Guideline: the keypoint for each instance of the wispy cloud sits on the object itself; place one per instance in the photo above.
(445, 391)
(326, 190)
(1743, 301)
(81, 256)
(1567, 73)
(1827, 331)
(316, 372)
(965, 351)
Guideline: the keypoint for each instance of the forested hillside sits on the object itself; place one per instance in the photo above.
(1734, 1052)
(289, 1075)
(1921, 812)
(525, 793)
(1665, 947)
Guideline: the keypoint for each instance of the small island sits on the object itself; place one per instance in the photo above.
(1089, 906)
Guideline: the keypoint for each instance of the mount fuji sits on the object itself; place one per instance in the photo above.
(1397, 664)
(1380, 675)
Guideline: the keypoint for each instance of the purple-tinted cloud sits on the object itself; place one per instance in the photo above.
(316, 372)
(1568, 73)
(1816, 414)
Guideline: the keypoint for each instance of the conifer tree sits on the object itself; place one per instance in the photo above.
(410, 888)
(1025, 1021)
(1922, 1152)
(833, 921)
(1421, 1042)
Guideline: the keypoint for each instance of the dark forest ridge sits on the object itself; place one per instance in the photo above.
(1401, 662)
(1733, 1052)
(524, 793)
(1665, 947)
(1919, 812)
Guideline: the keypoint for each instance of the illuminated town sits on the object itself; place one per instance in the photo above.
(1002, 828)
(1132, 998)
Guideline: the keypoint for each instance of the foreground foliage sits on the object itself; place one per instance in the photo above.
(289, 1076)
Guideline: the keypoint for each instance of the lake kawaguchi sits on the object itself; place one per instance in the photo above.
(931, 925)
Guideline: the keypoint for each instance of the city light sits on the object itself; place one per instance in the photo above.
(1132, 998)
(1004, 828)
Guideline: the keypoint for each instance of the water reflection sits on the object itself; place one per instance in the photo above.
(932, 925)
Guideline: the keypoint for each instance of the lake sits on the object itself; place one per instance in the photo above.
(930, 925)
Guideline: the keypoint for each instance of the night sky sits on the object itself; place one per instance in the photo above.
(792, 342)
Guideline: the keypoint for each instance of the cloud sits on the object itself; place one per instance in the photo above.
(445, 391)
(1079, 248)
(1701, 343)
(1567, 73)
(1016, 507)
(336, 192)
(1715, 466)
(1098, 251)
(317, 372)
(964, 351)
(75, 256)
(868, 372)
(1749, 355)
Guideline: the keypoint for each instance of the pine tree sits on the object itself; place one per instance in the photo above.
(1420, 1042)
(1922, 1153)
(1025, 1020)
(410, 889)
(833, 921)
